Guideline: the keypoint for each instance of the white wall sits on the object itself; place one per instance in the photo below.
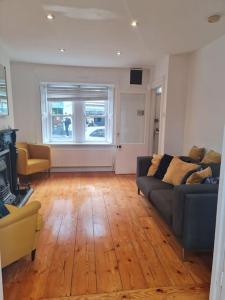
(205, 112)
(7, 121)
(176, 104)
(160, 71)
(26, 78)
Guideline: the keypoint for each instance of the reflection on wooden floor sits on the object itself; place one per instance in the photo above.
(102, 241)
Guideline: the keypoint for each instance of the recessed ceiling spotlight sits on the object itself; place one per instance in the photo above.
(214, 18)
(50, 17)
(62, 50)
(134, 23)
(118, 53)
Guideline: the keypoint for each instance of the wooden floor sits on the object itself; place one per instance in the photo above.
(102, 241)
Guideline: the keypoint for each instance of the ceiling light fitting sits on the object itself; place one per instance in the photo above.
(50, 17)
(134, 23)
(62, 50)
(118, 53)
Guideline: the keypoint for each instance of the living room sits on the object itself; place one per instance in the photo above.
(95, 88)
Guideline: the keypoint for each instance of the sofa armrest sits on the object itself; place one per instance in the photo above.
(143, 164)
(194, 215)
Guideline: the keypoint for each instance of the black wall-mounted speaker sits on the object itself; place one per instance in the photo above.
(136, 76)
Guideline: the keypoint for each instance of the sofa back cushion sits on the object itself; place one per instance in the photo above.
(177, 171)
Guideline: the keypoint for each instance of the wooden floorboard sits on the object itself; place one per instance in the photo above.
(174, 293)
(101, 240)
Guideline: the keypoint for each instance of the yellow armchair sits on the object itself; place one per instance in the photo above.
(33, 158)
(19, 232)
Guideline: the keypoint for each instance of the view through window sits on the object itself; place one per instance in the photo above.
(77, 114)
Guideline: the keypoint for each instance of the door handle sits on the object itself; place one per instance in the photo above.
(118, 146)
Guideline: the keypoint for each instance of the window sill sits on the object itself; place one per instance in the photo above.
(78, 144)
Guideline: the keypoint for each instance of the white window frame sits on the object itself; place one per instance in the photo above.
(78, 120)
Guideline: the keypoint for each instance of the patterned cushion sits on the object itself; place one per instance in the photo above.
(211, 180)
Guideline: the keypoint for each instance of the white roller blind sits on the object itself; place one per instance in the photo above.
(72, 92)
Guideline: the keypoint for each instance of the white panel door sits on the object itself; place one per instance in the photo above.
(131, 132)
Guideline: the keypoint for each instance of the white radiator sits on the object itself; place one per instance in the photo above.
(75, 157)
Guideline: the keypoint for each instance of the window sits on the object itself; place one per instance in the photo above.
(77, 113)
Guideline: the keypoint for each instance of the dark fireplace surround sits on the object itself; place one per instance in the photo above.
(10, 192)
(5, 175)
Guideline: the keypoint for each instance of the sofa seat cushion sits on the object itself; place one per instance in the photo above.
(162, 200)
(147, 184)
(37, 165)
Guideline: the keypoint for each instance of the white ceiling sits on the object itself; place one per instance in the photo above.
(92, 31)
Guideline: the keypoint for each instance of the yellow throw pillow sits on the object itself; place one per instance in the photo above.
(212, 157)
(196, 153)
(197, 177)
(155, 164)
(177, 170)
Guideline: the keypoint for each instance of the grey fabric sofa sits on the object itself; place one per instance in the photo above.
(189, 210)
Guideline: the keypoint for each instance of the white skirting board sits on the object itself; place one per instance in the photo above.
(80, 169)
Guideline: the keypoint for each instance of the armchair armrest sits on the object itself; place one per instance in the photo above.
(22, 160)
(19, 232)
(18, 214)
(143, 164)
(194, 215)
(40, 151)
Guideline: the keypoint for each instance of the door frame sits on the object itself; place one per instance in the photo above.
(218, 269)
(162, 122)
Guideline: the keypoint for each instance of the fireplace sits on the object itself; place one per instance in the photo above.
(10, 192)
(5, 169)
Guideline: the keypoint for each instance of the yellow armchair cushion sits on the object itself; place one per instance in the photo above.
(37, 165)
(39, 151)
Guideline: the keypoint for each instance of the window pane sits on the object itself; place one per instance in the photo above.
(95, 108)
(61, 121)
(95, 130)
